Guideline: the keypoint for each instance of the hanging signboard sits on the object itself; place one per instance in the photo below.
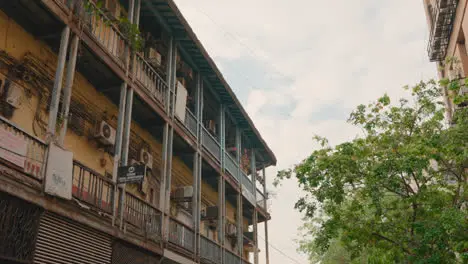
(59, 175)
(131, 174)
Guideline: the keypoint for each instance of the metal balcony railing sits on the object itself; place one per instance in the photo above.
(246, 182)
(442, 18)
(101, 27)
(261, 199)
(210, 252)
(230, 258)
(92, 188)
(149, 79)
(231, 166)
(24, 151)
(180, 235)
(191, 122)
(211, 144)
(143, 215)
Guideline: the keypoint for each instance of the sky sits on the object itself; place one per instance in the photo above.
(299, 68)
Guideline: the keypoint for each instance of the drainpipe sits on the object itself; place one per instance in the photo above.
(54, 102)
(67, 92)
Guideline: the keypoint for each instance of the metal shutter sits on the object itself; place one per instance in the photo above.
(61, 240)
(127, 254)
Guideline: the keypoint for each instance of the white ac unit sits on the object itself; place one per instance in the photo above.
(231, 230)
(181, 102)
(211, 213)
(154, 58)
(13, 97)
(105, 134)
(146, 158)
(183, 193)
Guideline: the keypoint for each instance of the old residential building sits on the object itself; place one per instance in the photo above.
(90, 87)
(448, 28)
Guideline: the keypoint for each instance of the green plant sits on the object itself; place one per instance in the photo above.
(132, 33)
(399, 193)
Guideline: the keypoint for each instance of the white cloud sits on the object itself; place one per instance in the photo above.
(327, 58)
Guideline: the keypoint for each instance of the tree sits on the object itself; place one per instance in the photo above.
(398, 193)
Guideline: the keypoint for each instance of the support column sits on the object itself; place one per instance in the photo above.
(221, 211)
(127, 119)
(195, 201)
(255, 235)
(67, 92)
(267, 254)
(54, 102)
(222, 137)
(168, 138)
(253, 173)
(118, 146)
(240, 231)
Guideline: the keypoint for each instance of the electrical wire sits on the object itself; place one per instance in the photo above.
(280, 251)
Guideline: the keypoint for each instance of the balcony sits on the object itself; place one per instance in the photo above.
(230, 258)
(181, 236)
(191, 122)
(261, 200)
(92, 188)
(231, 166)
(247, 187)
(211, 144)
(22, 150)
(143, 216)
(210, 251)
(149, 79)
(442, 17)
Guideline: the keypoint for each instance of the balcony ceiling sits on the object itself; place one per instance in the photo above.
(169, 15)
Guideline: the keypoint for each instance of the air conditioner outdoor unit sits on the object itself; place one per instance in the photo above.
(154, 58)
(146, 158)
(13, 97)
(231, 230)
(211, 213)
(105, 134)
(183, 194)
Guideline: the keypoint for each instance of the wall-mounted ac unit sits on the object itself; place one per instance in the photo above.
(231, 230)
(183, 194)
(13, 96)
(153, 57)
(146, 158)
(105, 134)
(181, 102)
(210, 213)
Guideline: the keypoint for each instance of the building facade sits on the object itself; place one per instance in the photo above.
(448, 30)
(92, 92)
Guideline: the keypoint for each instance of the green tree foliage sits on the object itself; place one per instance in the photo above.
(398, 194)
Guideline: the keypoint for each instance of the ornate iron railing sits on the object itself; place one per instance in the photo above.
(191, 122)
(180, 235)
(211, 144)
(24, 151)
(92, 188)
(209, 250)
(143, 215)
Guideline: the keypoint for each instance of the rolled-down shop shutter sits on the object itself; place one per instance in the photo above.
(61, 240)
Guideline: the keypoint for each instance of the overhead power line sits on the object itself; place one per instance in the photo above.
(280, 251)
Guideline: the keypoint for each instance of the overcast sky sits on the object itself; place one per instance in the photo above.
(300, 66)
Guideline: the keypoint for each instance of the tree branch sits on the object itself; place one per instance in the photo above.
(393, 242)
